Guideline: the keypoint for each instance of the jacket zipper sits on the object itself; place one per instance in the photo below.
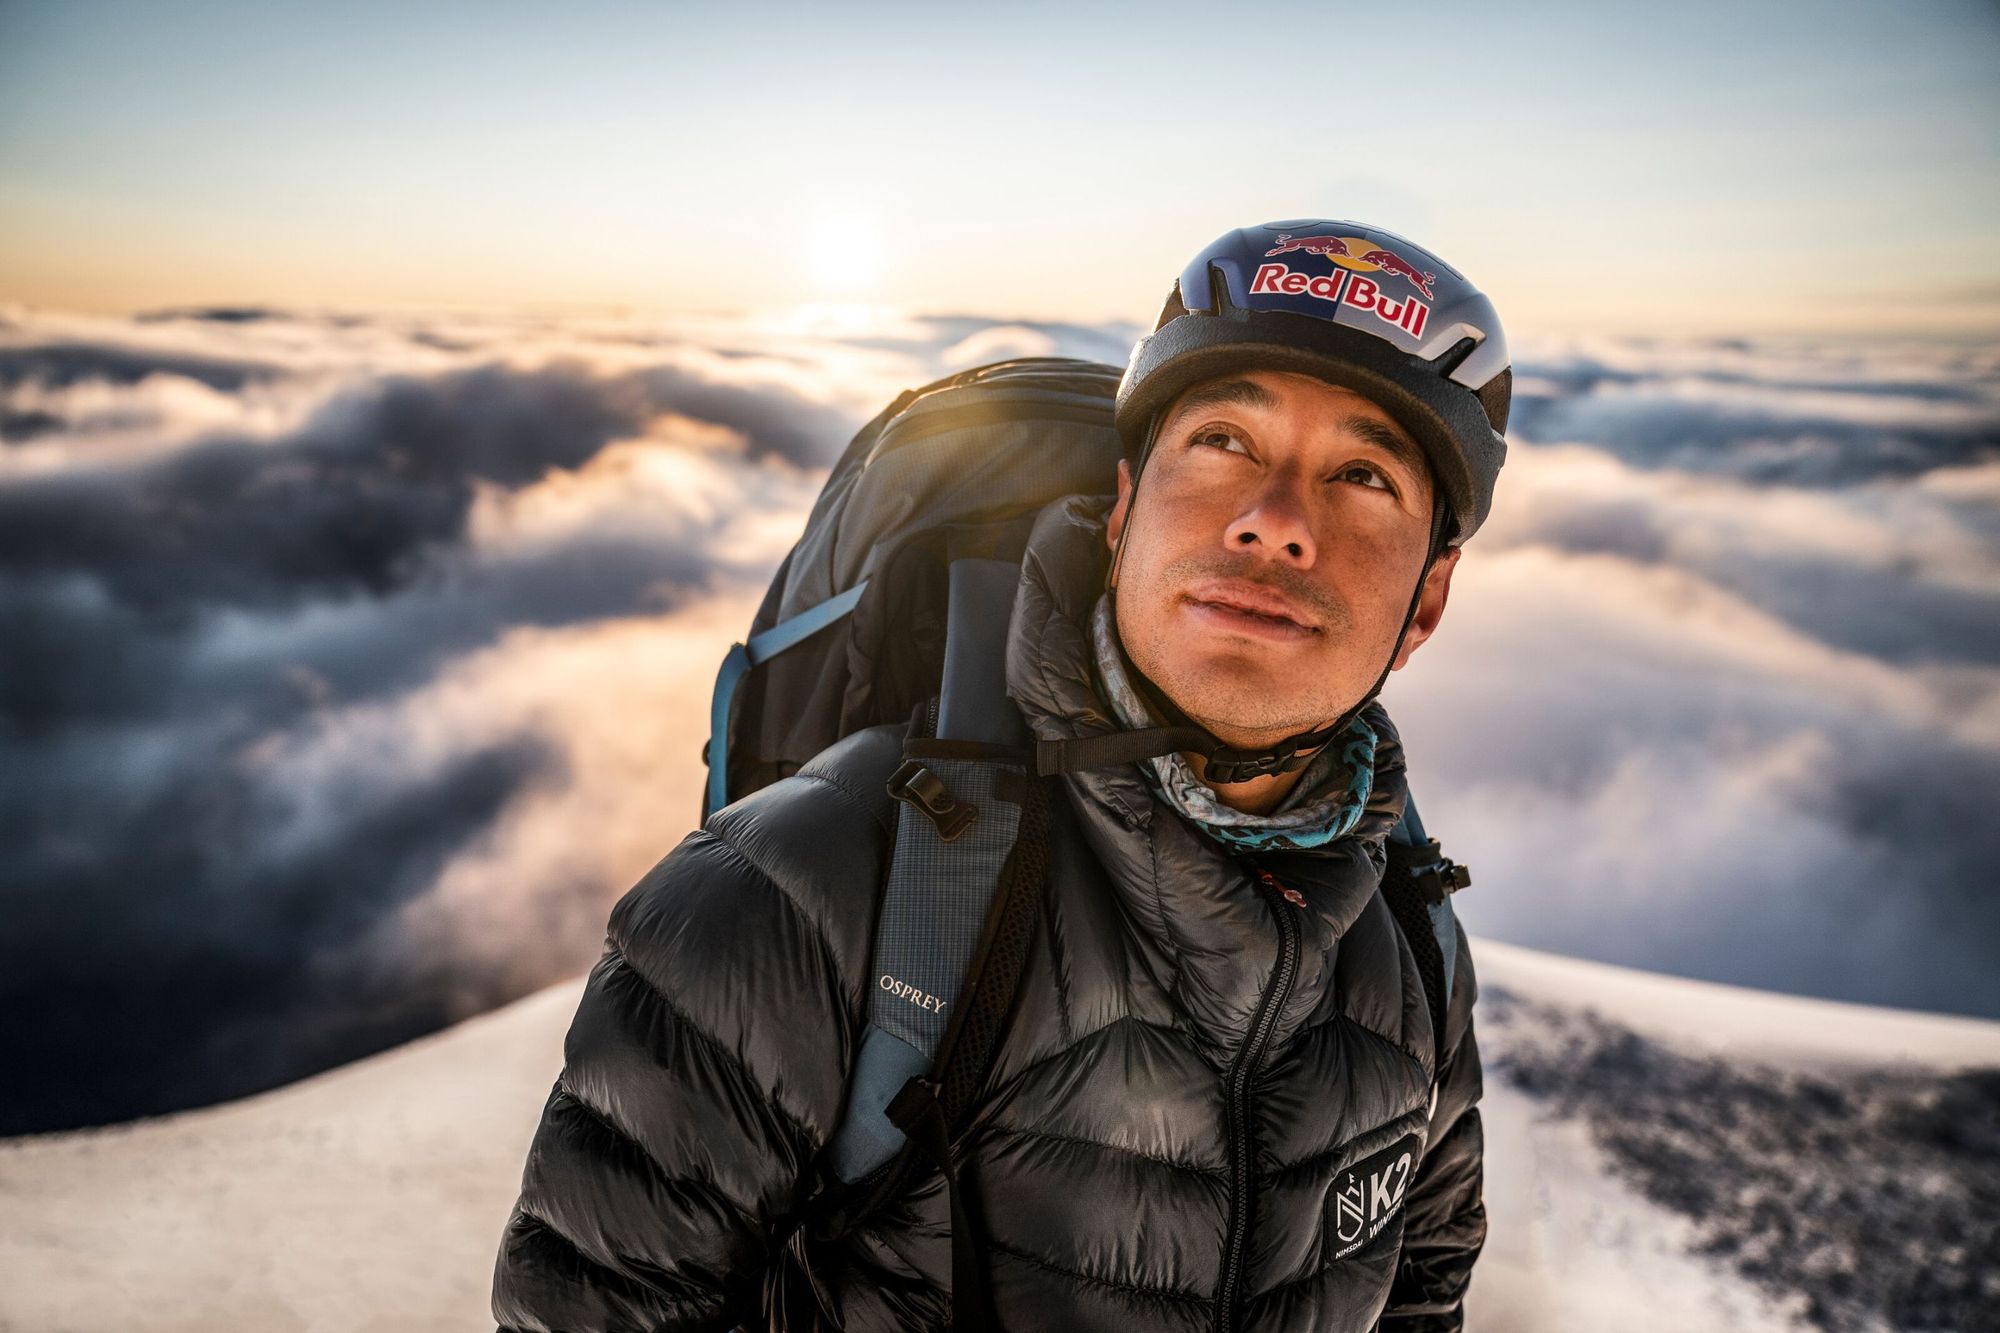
(1237, 1111)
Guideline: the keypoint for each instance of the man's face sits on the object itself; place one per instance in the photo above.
(1275, 492)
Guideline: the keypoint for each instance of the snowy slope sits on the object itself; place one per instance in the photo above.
(363, 1200)
(371, 1198)
(1669, 1154)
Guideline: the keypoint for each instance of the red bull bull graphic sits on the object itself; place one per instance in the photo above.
(1359, 254)
(1391, 262)
(1312, 245)
(1358, 291)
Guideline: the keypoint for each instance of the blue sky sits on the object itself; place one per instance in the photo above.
(1701, 167)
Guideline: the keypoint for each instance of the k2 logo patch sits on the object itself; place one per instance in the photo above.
(1367, 1194)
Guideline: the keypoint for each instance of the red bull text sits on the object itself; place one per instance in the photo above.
(1362, 293)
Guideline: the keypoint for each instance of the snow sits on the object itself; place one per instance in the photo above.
(1738, 1023)
(372, 1198)
(1568, 1247)
(369, 1199)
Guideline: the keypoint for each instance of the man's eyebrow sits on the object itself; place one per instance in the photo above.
(1227, 393)
(1392, 441)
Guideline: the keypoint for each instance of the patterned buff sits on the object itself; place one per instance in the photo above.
(1322, 805)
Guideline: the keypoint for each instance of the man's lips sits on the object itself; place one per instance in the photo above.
(1249, 609)
(1239, 595)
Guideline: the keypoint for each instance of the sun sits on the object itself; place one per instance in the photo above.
(846, 253)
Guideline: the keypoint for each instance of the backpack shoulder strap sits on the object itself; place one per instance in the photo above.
(737, 663)
(1418, 883)
(953, 936)
(961, 790)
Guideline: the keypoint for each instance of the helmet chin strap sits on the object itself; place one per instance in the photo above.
(1222, 763)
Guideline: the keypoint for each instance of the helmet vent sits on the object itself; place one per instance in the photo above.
(1454, 356)
(1218, 286)
(1494, 396)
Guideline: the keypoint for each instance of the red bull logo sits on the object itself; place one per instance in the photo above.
(1359, 254)
(1356, 290)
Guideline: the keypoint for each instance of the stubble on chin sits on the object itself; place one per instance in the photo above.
(1258, 703)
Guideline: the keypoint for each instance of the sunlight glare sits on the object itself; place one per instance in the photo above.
(846, 254)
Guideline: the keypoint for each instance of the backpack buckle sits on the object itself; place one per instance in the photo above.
(926, 791)
(1442, 876)
(918, 1098)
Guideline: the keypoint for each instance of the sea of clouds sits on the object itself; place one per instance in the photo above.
(352, 664)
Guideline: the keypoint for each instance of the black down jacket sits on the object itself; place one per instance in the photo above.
(1212, 1109)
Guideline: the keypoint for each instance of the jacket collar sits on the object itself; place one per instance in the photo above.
(1192, 897)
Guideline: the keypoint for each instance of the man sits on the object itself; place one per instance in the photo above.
(1215, 1104)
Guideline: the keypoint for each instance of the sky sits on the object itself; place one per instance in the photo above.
(1706, 168)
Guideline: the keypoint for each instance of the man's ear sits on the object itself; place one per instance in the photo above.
(1430, 606)
(1115, 523)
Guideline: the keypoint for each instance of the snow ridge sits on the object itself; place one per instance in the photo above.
(1870, 1196)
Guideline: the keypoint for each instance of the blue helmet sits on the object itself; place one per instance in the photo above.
(1353, 305)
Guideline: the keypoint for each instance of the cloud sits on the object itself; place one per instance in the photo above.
(1646, 767)
(179, 612)
(179, 935)
(1906, 570)
(973, 340)
(1009, 340)
(358, 660)
(1823, 415)
(62, 364)
(1721, 676)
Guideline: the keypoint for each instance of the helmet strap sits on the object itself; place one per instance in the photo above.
(1132, 499)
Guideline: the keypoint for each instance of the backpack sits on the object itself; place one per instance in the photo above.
(894, 604)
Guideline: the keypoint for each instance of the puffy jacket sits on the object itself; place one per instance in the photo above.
(1212, 1108)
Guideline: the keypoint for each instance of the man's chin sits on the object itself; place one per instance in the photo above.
(1234, 667)
(1231, 701)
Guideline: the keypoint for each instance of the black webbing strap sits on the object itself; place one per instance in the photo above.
(1408, 903)
(929, 1110)
(917, 1111)
(1115, 747)
(1222, 763)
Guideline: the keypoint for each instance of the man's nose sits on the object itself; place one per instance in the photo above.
(1275, 524)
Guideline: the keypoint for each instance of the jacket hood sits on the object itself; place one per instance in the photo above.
(1194, 897)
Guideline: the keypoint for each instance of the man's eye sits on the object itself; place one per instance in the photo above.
(1217, 438)
(1367, 473)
